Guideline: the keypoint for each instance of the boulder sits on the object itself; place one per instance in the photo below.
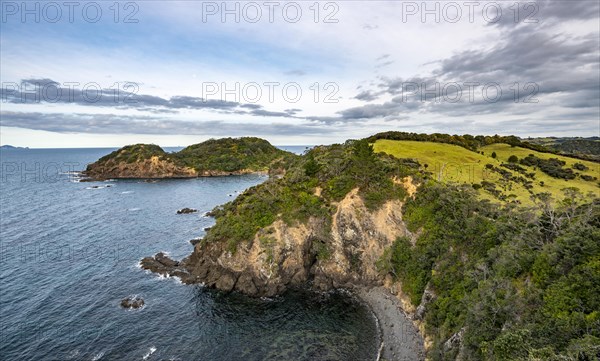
(132, 302)
(187, 211)
(165, 260)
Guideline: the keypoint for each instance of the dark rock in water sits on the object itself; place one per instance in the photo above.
(108, 186)
(95, 187)
(206, 229)
(153, 265)
(165, 261)
(132, 302)
(165, 266)
(160, 263)
(195, 241)
(187, 211)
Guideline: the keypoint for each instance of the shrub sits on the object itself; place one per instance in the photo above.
(580, 166)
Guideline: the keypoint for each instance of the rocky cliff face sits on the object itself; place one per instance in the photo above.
(154, 167)
(281, 256)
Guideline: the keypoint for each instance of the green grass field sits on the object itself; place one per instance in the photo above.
(451, 163)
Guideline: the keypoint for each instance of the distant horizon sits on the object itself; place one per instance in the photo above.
(286, 145)
(162, 146)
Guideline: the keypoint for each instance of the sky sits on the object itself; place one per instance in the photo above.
(110, 73)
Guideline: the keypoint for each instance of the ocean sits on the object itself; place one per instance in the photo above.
(70, 251)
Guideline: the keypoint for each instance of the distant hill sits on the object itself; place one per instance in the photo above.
(10, 147)
(583, 147)
(215, 157)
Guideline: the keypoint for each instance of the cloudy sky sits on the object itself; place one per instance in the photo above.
(175, 73)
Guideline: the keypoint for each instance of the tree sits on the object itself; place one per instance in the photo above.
(513, 159)
(494, 155)
(311, 167)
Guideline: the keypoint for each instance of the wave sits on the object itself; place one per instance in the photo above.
(163, 277)
(98, 356)
(127, 192)
(152, 350)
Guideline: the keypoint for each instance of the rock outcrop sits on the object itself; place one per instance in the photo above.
(132, 302)
(153, 168)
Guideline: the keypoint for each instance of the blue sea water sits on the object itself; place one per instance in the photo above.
(70, 251)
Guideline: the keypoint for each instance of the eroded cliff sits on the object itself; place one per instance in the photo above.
(281, 255)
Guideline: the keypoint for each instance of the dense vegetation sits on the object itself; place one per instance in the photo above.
(553, 166)
(335, 170)
(231, 154)
(521, 283)
(220, 155)
(135, 153)
(587, 147)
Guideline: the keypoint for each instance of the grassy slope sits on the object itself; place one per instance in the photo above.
(552, 185)
(451, 163)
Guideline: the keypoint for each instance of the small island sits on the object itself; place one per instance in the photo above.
(11, 147)
(214, 157)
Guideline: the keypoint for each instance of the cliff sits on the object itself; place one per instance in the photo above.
(280, 256)
(317, 225)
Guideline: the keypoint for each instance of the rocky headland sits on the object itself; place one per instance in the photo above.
(212, 158)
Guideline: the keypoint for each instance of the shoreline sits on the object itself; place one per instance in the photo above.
(400, 339)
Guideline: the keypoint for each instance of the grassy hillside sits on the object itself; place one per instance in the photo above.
(578, 150)
(494, 177)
